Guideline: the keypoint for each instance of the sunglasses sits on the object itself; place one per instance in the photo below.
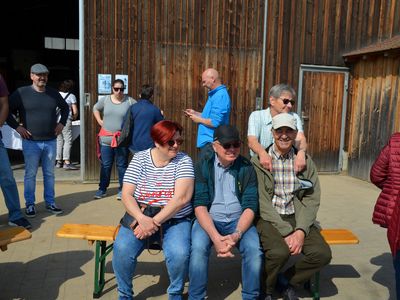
(171, 143)
(118, 89)
(286, 101)
(227, 146)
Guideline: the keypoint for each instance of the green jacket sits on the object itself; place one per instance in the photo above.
(245, 179)
(306, 202)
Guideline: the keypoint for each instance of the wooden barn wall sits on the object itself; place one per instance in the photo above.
(375, 112)
(319, 32)
(168, 44)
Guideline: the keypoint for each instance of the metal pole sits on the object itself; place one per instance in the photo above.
(82, 85)
(264, 49)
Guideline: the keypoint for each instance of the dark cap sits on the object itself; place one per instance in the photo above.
(39, 69)
(226, 133)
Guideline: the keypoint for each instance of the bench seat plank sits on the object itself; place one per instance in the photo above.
(339, 236)
(90, 232)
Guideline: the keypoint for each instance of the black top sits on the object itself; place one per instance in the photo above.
(37, 111)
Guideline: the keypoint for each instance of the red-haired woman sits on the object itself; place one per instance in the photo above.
(157, 189)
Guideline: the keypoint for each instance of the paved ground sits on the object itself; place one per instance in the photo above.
(47, 267)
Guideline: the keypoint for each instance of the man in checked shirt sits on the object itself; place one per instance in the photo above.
(288, 210)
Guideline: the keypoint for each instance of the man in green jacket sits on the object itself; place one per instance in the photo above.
(225, 203)
(288, 210)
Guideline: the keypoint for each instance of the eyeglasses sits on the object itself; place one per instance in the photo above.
(118, 89)
(286, 101)
(171, 143)
(227, 146)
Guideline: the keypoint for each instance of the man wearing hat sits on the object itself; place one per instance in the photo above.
(36, 105)
(225, 203)
(288, 211)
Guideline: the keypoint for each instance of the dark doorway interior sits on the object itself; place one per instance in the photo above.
(25, 24)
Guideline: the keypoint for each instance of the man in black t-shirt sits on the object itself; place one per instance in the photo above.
(36, 105)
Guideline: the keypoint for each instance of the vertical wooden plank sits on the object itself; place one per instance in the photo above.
(347, 33)
(335, 33)
(326, 29)
(314, 30)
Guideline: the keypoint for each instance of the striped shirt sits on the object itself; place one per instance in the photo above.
(285, 181)
(156, 185)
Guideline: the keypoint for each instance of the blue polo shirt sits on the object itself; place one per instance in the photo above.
(217, 108)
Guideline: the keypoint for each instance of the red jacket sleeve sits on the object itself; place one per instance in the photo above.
(380, 168)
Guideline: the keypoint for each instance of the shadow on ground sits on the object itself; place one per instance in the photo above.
(385, 275)
(57, 267)
(218, 287)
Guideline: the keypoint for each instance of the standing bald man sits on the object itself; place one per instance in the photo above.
(215, 113)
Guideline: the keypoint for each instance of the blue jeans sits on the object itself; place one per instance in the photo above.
(250, 250)
(396, 263)
(107, 159)
(8, 186)
(176, 248)
(34, 153)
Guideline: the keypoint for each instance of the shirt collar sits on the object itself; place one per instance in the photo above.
(277, 155)
(218, 164)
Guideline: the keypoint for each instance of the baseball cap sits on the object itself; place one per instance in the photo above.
(39, 69)
(226, 133)
(284, 120)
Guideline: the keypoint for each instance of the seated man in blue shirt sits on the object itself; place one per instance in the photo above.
(225, 203)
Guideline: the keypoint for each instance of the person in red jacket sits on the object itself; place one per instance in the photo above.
(385, 174)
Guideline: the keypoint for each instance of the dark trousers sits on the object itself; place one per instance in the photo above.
(206, 151)
(316, 254)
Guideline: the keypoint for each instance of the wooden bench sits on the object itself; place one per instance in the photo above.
(12, 235)
(332, 237)
(101, 234)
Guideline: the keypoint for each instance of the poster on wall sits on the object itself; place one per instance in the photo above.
(104, 83)
(124, 78)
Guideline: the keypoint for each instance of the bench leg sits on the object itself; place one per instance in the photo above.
(315, 287)
(102, 250)
(99, 269)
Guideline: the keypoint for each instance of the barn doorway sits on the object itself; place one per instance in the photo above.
(322, 104)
